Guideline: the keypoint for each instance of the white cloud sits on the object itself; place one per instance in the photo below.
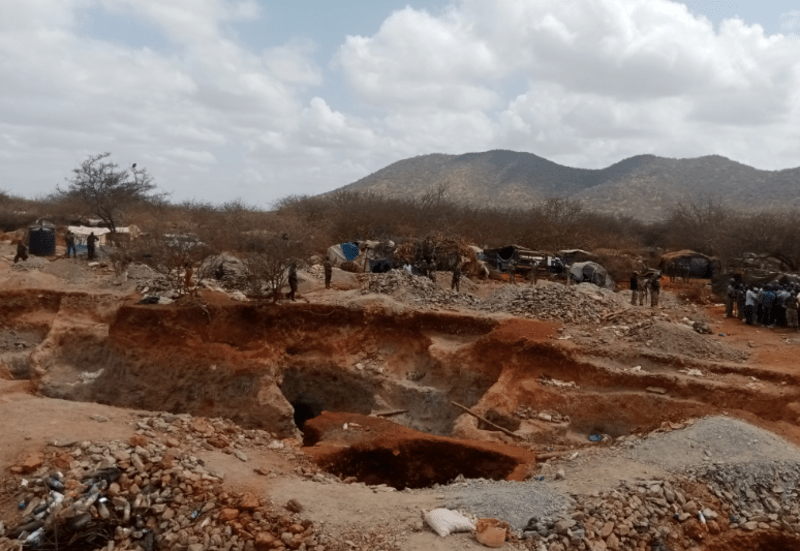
(790, 21)
(582, 83)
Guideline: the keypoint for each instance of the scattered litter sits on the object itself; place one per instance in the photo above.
(637, 368)
(88, 376)
(656, 390)
(595, 438)
(491, 532)
(565, 337)
(691, 372)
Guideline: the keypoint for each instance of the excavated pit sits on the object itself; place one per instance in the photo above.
(377, 451)
(419, 464)
(276, 368)
(312, 391)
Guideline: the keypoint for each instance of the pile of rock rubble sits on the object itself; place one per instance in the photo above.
(151, 492)
(632, 516)
(761, 496)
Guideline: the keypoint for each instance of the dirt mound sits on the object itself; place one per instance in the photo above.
(679, 338)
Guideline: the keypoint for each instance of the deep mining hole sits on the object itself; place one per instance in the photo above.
(312, 391)
(419, 464)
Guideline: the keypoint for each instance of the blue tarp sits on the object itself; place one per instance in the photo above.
(350, 250)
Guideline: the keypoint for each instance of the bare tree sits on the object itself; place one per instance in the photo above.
(106, 190)
(172, 256)
(267, 262)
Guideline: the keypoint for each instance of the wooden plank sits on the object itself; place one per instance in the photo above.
(498, 427)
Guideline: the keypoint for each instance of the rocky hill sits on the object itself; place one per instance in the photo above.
(644, 186)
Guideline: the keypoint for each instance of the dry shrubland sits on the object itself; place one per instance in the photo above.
(312, 223)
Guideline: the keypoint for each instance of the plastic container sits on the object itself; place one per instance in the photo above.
(41, 241)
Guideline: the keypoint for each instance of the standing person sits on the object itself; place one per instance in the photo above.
(432, 269)
(768, 303)
(741, 291)
(292, 282)
(634, 288)
(644, 286)
(70, 241)
(22, 252)
(423, 268)
(730, 296)
(791, 311)
(90, 241)
(655, 290)
(535, 272)
(328, 267)
(455, 285)
(512, 270)
(750, 301)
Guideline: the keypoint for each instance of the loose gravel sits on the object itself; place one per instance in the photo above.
(514, 502)
(713, 440)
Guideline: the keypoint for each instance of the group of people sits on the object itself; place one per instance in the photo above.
(643, 285)
(70, 241)
(767, 305)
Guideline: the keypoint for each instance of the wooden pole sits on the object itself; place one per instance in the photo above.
(498, 427)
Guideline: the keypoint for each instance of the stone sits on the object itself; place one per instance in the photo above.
(138, 440)
(100, 418)
(750, 525)
(32, 463)
(241, 455)
(710, 514)
(195, 547)
(249, 501)
(561, 527)
(228, 514)
(173, 443)
(294, 506)
(264, 541)
(560, 474)
(218, 442)
(168, 514)
(606, 530)
(690, 507)
(612, 542)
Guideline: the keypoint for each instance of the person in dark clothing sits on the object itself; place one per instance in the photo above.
(730, 297)
(328, 272)
(791, 311)
(90, 243)
(455, 285)
(70, 241)
(512, 270)
(655, 290)
(22, 252)
(767, 304)
(634, 288)
(432, 269)
(423, 268)
(292, 282)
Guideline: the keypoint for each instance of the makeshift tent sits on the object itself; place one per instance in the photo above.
(343, 252)
(82, 232)
(570, 256)
(687, 264)
(500, 257)
(591, 272)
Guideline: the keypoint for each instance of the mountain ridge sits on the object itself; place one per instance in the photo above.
(643, 186)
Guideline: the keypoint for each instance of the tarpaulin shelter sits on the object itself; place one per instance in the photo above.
(343, 252)
(102, 234)
(687, 263)
(501, 256)
(591, 272)
(570, 256)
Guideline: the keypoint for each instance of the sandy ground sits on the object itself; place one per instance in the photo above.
(33, 423)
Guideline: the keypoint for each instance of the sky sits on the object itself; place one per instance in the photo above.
(255, 100)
